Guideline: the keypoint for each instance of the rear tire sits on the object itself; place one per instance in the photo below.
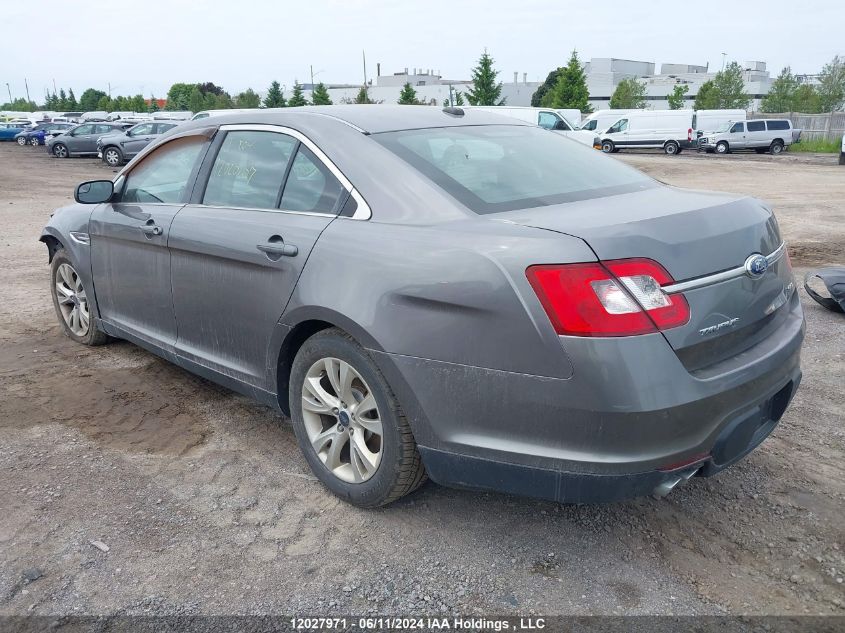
(338, 428)
(70, 299)
(34, 141)
(722, 148)
(22, 141)
(776, 147)
(671, 148)
(608, 147)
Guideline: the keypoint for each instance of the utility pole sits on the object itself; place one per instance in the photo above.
(364, 56)
(54, 86)
(723, 60)
(27, 89)
(10, 93)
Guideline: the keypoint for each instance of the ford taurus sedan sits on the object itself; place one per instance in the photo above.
(444, 294)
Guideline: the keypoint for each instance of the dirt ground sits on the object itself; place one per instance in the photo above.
(206, 506)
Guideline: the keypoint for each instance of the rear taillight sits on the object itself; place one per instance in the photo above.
(615, 298)
(689, 134)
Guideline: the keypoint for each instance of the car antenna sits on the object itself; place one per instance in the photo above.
(454, 111)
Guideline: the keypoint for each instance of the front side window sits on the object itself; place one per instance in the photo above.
(249, 170)
(619, 126)
(590, 125)
(501, 168)
(140, 130)
(164, 175)
(547, 120)
(756, 126)
(310, 185)
(82, 130)
(738, 128)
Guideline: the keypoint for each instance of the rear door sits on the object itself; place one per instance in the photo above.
(129, 257)
(239, 248)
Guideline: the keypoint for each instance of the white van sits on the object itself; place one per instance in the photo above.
(600, 120)
(704, 121)
(671, 130)
(549, 118)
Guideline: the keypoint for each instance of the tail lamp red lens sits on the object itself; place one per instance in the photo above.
(622, 297)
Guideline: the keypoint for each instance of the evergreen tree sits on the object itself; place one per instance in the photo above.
(544, 89)
(137, 104)
(831, 88)
(707, 97)
(223, 102)
(630, 94)
(570, 90)
(676, 97)
(485, 90)
(248, 99)
(806, 100)
(297, 98)
(781, 93)
(730, 88)
(320, 95)
(408, 96)
(209, 101)
(63, 100)
(459, 98)
(179, 96)
(196, 102)
(88, 101)
(363, 96)
(153, 104)
(52, 102)
(275, 97)
(105, 104)
(71, 100)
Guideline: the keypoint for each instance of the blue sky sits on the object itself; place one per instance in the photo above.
(146, 46)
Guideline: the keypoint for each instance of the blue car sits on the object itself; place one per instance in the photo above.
(38, 134)
(8, 131)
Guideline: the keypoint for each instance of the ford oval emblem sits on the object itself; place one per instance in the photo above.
(756, 266)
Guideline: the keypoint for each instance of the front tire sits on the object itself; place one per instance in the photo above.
(349, 425)
(21, 141)
(60, 150)
(671, 148)
(608, 147)
(722, 147)
(70, 299)
(112, 157)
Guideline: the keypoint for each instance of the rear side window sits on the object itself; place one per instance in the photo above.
(310, 185)
(500, 168)
(164, 175)
(777, 125)
(249, 170)
(161, 128)
(756, 126)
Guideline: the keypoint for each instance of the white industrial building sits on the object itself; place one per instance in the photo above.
(603, 75)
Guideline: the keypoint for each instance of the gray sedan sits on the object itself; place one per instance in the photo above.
(82, 139)
(121, 146)
(443, 293)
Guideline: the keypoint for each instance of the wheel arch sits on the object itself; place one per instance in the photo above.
(53, 243)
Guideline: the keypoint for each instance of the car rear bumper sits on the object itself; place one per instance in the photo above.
(629, 419)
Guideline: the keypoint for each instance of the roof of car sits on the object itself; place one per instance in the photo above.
(370, 119)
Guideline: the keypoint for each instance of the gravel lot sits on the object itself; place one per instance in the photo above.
(199, 501)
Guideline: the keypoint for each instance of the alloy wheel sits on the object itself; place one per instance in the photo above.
(34, 141)
(342, 420)
(60, 151)
(72, 300)
(21, 141)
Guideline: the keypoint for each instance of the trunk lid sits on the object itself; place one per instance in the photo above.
(692, 234)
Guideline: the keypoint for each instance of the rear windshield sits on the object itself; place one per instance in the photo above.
(501, 168)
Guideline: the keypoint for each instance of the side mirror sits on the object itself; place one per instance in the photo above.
(94, 192)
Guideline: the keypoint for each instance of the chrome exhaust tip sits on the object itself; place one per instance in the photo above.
(664, 488)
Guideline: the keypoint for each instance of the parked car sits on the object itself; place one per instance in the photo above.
(600, 120)
(548, 118)
(204, 114)
(81, 140)
(540, 319)
(121, 146)
(671, 130)
(8, 131)
(761, 135)
(38, 134)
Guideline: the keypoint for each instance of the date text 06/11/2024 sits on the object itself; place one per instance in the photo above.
(398, 623)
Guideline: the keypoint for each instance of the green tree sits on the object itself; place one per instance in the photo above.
(153, 103)
(71, 100)
(485, 90)
(806, 100)
(570, 89)
(730, 88)
(408, 96)
(105, 104)
(223, 102)
(297, 98)
(52, 102)
(120, 104)
(545, 88)
(248, 99)
(831, 88)
(88, 101)
(320, 95)
(179, 96)
(137, 103)
(363, 96)
(707, 97)
(629, 93)
(20, 105)
(209, 88)
(63, 100)
(781, 94)
(676, 97)
(196, 102)
(275, 96)
(459, 98)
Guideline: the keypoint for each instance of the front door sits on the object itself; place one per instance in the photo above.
(238, 251)
(81, 139)
(129, 257)
(737, 138)
(137, 139)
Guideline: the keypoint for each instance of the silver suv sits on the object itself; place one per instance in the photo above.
(761, 135)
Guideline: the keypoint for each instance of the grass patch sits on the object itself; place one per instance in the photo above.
(817, 145)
